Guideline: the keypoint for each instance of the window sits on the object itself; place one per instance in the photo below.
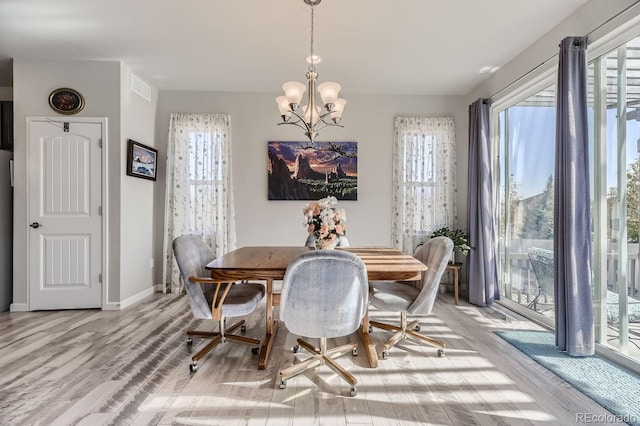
(199, 193)
(424, 190)
(205, 179)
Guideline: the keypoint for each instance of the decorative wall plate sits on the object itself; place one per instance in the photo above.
(66, 101)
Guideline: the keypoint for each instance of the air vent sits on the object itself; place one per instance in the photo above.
(140, 87)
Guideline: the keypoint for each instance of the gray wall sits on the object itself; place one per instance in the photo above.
(6, 231)
(137, 237)
(99, 83)
(6, 93)
(6, 222)
(368, 120)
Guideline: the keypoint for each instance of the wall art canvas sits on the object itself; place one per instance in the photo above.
(305, 171)
(141, 160)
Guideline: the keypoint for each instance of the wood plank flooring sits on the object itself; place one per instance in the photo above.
(131, 368)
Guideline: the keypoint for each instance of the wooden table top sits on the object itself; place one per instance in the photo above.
(383, 263)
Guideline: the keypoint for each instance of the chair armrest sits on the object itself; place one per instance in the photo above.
(218, 295)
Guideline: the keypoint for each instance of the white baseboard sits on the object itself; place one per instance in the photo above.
(18, 307)
(115, 306)
(111, 306)
(136, 298)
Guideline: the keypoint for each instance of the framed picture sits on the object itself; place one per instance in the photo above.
(141, 160)
(66, 101)
(305, 171)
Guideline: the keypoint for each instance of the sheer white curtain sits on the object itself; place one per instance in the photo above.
(424, 179)
(199, 193)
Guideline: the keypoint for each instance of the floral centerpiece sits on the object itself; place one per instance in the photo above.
(325, 222)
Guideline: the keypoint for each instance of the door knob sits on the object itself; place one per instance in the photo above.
(35, 225)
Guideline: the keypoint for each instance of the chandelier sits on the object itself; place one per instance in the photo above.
(310, 117)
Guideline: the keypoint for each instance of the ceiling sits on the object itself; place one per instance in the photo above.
(401, 47)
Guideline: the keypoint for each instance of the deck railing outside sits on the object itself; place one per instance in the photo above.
(519, 281)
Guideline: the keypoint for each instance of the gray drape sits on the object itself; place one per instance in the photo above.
(572, 214)
(482, 268)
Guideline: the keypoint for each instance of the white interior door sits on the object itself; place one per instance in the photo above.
(65, 196)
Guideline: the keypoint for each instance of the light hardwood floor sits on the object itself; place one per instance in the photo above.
(131, 368)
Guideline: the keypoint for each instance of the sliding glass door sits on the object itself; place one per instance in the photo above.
(524, 131)
(614, 88)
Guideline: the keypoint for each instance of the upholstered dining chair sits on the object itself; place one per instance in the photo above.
(324, 295)
(212, 299)
(415, 298)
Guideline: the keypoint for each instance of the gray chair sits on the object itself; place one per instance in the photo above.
(212, 299)
(342, 241)
(543, 268)
(542, 264)
(324, 295)
(413, 297)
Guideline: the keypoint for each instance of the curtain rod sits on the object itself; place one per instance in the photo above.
(555, 55)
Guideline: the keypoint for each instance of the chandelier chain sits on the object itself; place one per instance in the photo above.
(311, 33)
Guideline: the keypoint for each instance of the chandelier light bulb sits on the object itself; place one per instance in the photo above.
(338, 108)
(307, 114)
(294, 90)
(283, 106)
(329, 91)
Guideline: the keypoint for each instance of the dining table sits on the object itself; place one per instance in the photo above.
(269, 264)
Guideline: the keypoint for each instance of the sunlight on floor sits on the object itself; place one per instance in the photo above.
(532, 415)
(181, 402)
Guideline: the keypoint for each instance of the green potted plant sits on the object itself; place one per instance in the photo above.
(458, 236)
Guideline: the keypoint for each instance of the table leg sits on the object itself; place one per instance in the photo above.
(369, 346)
(455, 284)
(271, 328)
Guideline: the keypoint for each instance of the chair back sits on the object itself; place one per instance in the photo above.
(435, 253)
(324, 294)
(542, 265)
(192, 255)
(342, 241)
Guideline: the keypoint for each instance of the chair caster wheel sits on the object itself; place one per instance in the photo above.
(243, 328)
(370, 329)
(441, 353)
(255, 351)
(189, 341)
(283, 384)
(385, 354)
(416, 328)
(296, 349)
(193, 367)
(354, 351)
(353, 391)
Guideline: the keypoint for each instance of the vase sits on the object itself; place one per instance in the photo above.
(452, 259)
(322, 244)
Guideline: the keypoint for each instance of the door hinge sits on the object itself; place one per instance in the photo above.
(99, 210)
(100, 143)
(100, 278)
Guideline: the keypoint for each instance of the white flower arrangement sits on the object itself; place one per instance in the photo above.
(325, 222)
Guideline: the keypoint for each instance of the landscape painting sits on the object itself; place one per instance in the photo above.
(141, 160)
(306, 171)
